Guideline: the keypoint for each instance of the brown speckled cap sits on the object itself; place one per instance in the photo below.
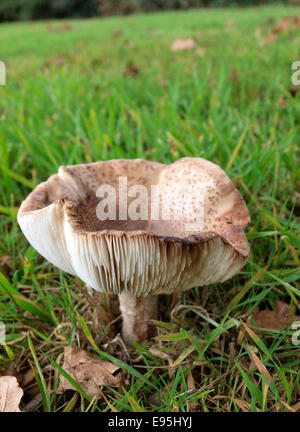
(138, 256)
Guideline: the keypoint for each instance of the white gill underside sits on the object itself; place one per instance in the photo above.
(138, 265)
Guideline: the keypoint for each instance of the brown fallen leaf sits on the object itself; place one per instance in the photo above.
(192, 406)
(183, 44)
(58, 61)
(297, 21)
(131, 69)
(278, 318)
(259, 364)
(270, 39)
(161, 354)
(89, 372)
(10, 394)
(244, 406)
(296, 406)
(282, 25)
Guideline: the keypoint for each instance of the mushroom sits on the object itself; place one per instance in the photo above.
(127, 253)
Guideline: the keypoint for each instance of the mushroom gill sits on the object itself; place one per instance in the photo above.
(138, 257)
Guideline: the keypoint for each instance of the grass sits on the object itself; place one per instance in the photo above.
(112, 88)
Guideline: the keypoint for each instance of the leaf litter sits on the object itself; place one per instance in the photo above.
(283, 25)
(10, 394)
(89, 372)
(180, 44)
(280, 317)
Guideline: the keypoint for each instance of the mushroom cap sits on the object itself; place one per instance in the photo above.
(59, 218)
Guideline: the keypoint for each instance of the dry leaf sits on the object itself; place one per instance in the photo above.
(161, 354)
(282, 25)
(57, 61)
(278, 318)
(244, 406)
(259, 364)
(270, 39)
(192, 406)
(131, 69)
(89, 372)
(289, 408)
(296, 406)
(10, 394)
(297, 21)
(183, 44)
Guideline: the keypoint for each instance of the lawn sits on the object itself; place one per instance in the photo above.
(100, 89)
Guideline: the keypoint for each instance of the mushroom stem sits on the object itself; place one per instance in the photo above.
(136, 311)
